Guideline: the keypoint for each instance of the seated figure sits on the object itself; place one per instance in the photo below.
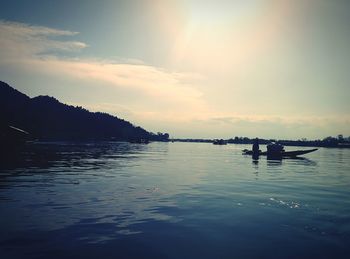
(274, 149)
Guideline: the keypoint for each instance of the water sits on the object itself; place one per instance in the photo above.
(172, 200)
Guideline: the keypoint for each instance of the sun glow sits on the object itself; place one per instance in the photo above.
(227, 35)
(224, 13)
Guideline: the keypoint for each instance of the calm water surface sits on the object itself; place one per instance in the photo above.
(172, 200)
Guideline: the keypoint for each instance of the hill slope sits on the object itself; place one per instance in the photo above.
(48, 119)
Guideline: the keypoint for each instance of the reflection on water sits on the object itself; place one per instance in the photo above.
(80, 154)
(80, 178)
(274, 162)
(178, 200)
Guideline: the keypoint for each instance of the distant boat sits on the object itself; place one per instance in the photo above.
(12, 138)
(282, 154)
(139, 141)
(13, 135)
(219, 142)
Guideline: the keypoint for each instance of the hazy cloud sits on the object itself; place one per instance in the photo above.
(31, 47)
(21, 41)
(167, 100)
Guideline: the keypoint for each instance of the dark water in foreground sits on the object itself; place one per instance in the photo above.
(172, 200)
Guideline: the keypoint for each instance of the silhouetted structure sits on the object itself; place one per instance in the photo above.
(274, 150)
(45, 118)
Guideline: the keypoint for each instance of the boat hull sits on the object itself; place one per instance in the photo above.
(281, 154)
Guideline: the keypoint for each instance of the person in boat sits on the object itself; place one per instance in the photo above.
(274, 149)
(255, 148)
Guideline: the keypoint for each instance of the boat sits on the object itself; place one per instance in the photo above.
(12, 136)
(139, 141)
(219, 142)
(12, 139)
(281, 154)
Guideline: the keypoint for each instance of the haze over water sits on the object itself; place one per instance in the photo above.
(172, 200)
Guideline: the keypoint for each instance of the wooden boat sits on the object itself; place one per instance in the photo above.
(12, 140)
(281, 154)
(12, 136)
(219, 142)
(139, 141)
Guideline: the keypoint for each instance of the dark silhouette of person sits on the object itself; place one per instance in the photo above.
(256, 147)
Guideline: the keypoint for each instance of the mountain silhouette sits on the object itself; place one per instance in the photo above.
(45, 118)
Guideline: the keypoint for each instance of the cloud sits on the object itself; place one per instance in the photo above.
(23, 29)
(34, 48)
(166, 100)
(19, 41)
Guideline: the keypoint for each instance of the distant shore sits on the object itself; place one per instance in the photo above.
(331, 142)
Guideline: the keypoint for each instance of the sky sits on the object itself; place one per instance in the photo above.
(195, 69)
